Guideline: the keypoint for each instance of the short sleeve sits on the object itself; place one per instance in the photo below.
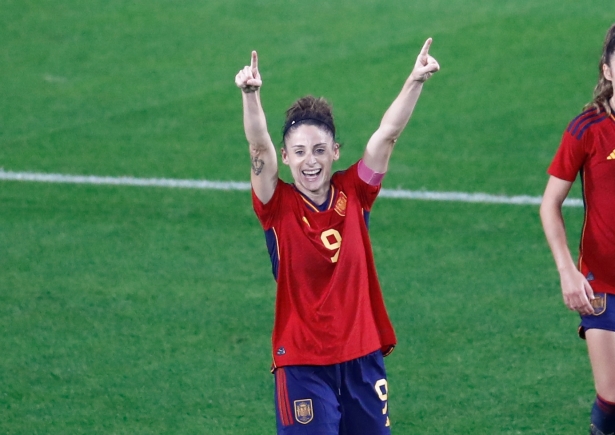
(573, 150)
(267, 213)
(366, 193)
(569, 158)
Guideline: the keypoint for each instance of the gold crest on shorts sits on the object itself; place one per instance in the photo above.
(599, 303)
(304, 412)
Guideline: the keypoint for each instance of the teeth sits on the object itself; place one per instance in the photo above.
(312, 172)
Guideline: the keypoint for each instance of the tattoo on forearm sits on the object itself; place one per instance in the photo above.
(257, 165)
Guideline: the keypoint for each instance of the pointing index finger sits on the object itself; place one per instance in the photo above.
(254, 61)
(425, 49)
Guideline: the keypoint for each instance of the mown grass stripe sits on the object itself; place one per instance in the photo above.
(241, 185)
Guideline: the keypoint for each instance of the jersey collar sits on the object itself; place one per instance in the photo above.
(322, 207)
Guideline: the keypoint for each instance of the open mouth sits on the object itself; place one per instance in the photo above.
(311, 174)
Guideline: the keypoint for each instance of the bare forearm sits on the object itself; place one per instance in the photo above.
(553, 221)
(264, 174)
(398, 114)
(576, 290)
(254, 121)
(380, 145)
(555, 233)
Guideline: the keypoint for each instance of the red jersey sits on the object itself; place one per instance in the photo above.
(588, 147)
(329, 305)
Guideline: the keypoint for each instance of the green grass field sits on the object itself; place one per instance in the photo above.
(134, 310)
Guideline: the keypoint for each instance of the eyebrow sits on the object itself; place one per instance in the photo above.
(304, 146)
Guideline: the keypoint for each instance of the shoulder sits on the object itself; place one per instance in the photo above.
(351, 183)
(280, 196)
(345, 173)
(280, 187)
(583, 123)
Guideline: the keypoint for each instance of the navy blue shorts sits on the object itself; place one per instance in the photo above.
(603, 317)
(341, 399)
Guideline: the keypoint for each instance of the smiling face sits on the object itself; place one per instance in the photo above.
(310, 151)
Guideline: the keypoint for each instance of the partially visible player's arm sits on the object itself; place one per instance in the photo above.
(264, 174)
(576, 290)
(380, 145)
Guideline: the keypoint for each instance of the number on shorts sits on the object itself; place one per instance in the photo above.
(382, 389)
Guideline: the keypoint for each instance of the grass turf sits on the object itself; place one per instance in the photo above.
(133, 310)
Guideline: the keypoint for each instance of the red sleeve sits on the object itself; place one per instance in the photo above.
(267, 213)
(569, 158)
(366, 193)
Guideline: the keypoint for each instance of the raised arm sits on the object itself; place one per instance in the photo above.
(380, 145)
(264, 175)
(576, 290)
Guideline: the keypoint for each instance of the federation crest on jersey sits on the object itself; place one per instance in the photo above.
(304, 412)
(599, 303)
(340, 204)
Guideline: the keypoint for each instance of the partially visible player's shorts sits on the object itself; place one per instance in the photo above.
(349, 398)
(603, 317)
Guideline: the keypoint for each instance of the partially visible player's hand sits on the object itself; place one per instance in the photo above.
(249, 79)
(425, 65)
(577, 291)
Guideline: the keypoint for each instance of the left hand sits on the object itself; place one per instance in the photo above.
(425, 65)
(249, 78)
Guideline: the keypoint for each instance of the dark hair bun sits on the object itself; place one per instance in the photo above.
(312, 111)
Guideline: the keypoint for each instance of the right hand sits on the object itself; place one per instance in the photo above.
(577, 291)
(249, 79)
(425, 65)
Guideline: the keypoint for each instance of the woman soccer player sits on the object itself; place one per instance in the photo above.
(331, 327)
(588, 148)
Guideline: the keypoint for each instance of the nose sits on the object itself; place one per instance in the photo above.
(311, 159)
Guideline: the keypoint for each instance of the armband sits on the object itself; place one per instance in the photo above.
(368, 175)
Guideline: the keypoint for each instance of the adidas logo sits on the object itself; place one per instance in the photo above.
(611, 156)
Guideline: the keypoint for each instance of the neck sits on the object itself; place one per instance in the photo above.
(318, 197)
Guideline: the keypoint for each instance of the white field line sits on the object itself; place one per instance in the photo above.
(241, 185)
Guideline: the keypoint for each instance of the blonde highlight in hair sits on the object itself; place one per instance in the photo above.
(603, 91)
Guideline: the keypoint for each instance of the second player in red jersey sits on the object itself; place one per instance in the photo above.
(588, 149)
